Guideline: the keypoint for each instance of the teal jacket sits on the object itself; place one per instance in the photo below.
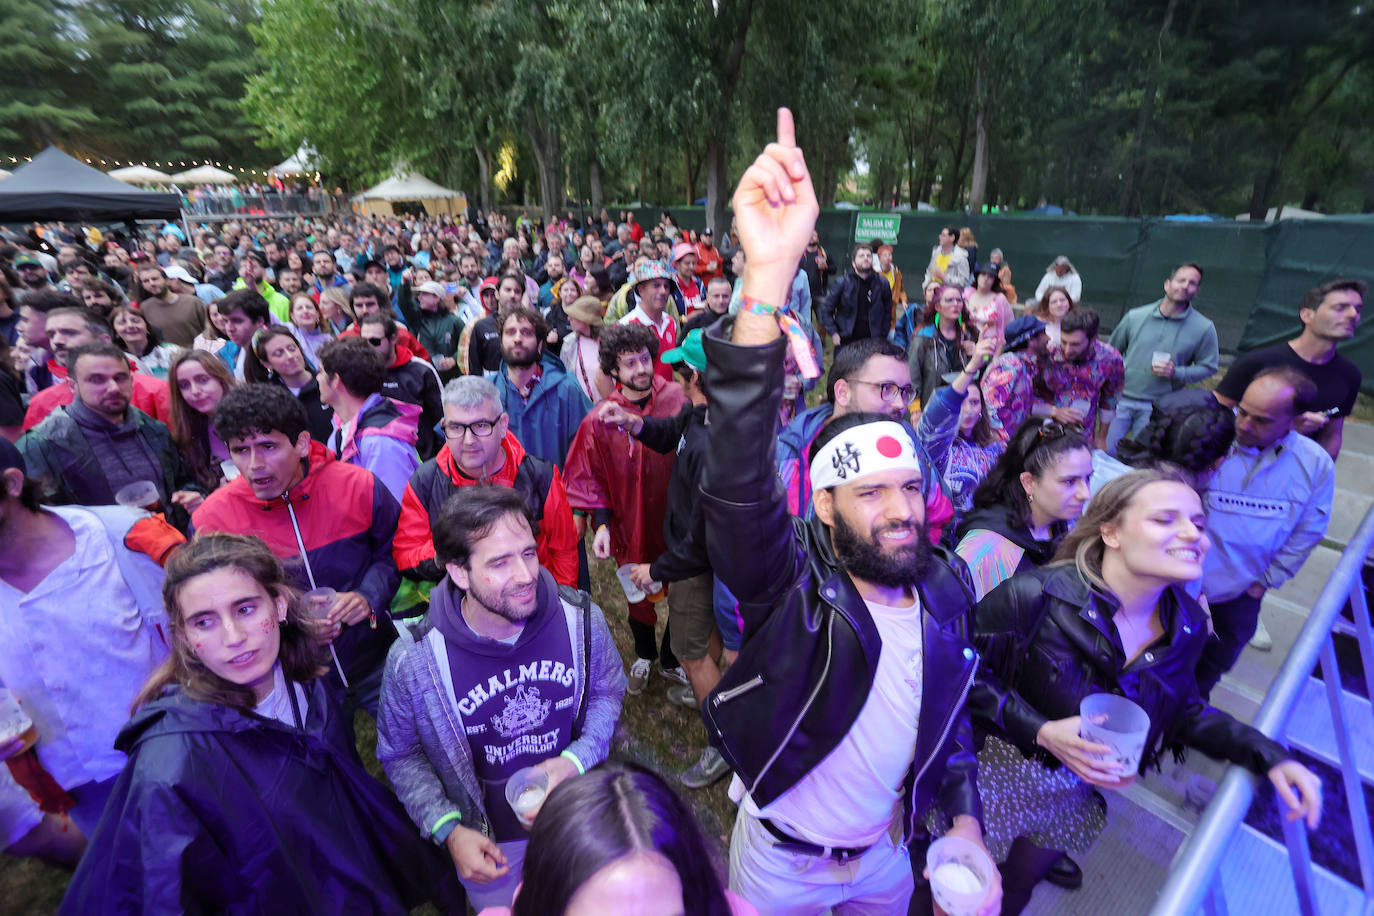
(1190, 338)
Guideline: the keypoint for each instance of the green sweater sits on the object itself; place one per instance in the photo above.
(1190, 338)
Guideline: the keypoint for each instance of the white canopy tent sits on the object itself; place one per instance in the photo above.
(299, 162)
(205, 174)
(411, 186)
(140, 174)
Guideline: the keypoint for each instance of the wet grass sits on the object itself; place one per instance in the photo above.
(653, 732)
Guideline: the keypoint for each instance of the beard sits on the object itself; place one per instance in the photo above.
(521, 359)
(497, 602)
(866, 559)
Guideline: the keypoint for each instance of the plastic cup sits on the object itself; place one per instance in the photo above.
(1082, 405)
(1160, 357)
(318, 601)
(141, 494)
(526, 790)
(633, 593)
(1117, 723)
(960, 874)
(14, 722)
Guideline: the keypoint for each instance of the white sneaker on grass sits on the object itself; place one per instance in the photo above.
(639, 676)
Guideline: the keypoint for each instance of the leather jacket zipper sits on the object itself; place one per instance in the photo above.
(806, 707)
(949, 724)
(725, 696)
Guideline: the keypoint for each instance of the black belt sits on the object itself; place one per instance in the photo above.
(792, 844)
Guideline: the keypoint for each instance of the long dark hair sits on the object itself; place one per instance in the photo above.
(1190, 436)
(191, 428)
(615, 810)
(301, 653)
(1034, 449)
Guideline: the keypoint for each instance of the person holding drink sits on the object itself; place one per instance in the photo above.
(1109, 616)
(244, 791)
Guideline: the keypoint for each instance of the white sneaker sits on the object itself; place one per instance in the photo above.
(639, 676)
(1261, 640)
(676, 675)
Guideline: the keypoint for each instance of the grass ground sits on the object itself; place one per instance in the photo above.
(653, 732)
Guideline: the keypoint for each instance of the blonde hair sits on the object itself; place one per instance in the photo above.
(1083, 546)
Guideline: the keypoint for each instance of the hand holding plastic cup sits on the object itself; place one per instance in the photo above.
(960, 874)
(1160, 358)
(1117, 723)
(141, 494)
(15, 722)
(1082, 405)
(318, 602)
(526, 790)
(633, 593)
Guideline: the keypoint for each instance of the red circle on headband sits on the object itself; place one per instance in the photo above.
(889, 447)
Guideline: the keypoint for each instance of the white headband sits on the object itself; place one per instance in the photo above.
(863, 450)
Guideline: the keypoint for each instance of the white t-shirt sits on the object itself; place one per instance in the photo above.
(277, 705)
(848, 800)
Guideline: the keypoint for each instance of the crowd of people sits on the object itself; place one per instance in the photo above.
(260, 478)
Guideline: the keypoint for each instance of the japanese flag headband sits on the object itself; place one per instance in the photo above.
(859, 451)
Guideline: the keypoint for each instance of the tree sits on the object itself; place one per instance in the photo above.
(40, 87)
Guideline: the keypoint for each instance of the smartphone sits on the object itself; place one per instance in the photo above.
(452, 289)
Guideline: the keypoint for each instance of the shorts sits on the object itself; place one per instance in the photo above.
(690, 608)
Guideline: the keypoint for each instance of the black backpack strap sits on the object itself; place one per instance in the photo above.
(583, 600)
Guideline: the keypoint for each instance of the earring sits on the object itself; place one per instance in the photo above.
(1030, 497)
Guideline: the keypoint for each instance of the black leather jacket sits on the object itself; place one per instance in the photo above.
(810, 648)
(1047, 641)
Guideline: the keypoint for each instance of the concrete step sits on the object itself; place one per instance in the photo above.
(1355, 471)
(1357, 438)
(1348, 509)
(1257, 880)
(1304, 588)
(1311, 727)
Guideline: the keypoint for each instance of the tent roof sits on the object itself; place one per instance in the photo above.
(56, 186)
(302, 160)
(408, 186)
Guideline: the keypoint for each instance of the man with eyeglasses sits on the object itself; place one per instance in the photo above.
(867, 376)
(481, 449)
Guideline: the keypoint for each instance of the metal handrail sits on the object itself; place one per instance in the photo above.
(1189, 884)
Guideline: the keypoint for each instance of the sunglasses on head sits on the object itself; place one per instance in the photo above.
(375, 341)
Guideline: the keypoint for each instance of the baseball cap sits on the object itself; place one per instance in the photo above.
(10, 457)
(177, 272)
(708, 231)
(681, 250)
(690, 351)
(1020, 331)
(27, 260)
(436, 289)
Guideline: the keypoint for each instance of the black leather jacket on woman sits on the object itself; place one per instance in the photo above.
(1047, 641)
(811, 648)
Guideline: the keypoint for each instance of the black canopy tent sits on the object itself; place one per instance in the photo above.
(54, 186)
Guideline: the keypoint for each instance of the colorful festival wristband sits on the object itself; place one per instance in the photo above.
(791, 328)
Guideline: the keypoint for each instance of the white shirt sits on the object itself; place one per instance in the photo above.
(277, 704)
(849, 799)
(76, 650)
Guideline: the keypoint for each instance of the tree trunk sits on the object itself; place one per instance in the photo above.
(598, 190)
(1266, 183)
(953, 179)
(688, 176)
(549, 159)
(1140, 143)
(716, 184)
(978, 190)
(483, 177)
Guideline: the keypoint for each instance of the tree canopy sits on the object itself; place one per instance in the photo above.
(1110, 107)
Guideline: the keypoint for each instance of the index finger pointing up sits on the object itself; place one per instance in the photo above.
(787, 132)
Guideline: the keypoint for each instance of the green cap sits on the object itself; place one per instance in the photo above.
(689, 352)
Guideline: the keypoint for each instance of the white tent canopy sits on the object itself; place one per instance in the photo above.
(406, 186)
(302, 160)
(205, 174)
(140, 174)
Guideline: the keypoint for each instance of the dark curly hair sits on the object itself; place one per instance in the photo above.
(260, 408)
(624, 338)
(356, 364)
(1190, 436)
(1034, 448)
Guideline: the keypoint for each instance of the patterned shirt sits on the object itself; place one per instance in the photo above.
(1097, 380)
(1009, 390)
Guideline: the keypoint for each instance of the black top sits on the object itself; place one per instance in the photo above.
(11, 402)
(1337, 381)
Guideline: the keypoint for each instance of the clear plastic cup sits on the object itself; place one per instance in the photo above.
(960, 874)
(1082, 405)
(14, 721)
(1119, 724)
(633, 593)
(1160, 357)
(526, 790)
(141, 494)
(318, 601)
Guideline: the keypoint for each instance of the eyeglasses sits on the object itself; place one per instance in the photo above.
(375, 341)
(887, 391)
(480, 428)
